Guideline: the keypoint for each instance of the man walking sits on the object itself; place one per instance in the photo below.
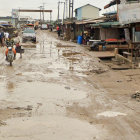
(2, 38)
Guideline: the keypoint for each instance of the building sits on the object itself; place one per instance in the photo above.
(132, 8)
(9, 20)
(87, 12)
(128, 15)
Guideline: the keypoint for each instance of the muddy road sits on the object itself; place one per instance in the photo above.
(52, 93)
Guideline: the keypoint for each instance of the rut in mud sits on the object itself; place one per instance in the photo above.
(52, 92)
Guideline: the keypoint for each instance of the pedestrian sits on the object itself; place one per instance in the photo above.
(58, 31)
(2, 38)
(6, 35)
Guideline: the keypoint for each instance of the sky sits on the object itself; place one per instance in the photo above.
(6, 6)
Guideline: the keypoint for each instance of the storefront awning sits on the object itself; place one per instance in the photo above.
(107, 24)
(88, 21)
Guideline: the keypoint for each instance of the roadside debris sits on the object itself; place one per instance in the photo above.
(2, 123)
(136, 96)
(68, 88)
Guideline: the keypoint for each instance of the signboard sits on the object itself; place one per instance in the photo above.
(14, 13)
(129, 13)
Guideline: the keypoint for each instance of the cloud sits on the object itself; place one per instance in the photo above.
(6, 6)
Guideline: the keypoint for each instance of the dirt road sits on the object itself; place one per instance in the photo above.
(59, 91)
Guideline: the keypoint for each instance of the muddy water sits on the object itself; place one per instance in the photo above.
(39, 87)
(48, 94)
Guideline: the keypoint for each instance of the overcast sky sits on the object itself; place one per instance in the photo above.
(6, 6)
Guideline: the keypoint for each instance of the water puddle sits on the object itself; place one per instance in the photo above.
(39, 92)
(59, 45)
(111, 114)
(47, 75)
(67, 54)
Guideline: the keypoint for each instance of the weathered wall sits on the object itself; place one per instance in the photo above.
(79, 14)
(90, 12)
(123, 1)
(106, 33)
(129, 13)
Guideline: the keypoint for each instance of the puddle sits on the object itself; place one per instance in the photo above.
(1, 76)
(67, 54)
(59, 45)
(111, 114)
(42, 92)
(10, 86)
(47, 75)
(73, 59)
(50, 127)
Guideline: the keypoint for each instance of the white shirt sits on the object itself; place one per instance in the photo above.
(6, 35)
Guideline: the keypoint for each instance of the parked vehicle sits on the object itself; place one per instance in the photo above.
(44, 27)
(29, 35)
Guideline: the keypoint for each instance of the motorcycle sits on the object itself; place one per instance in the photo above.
(10, 56)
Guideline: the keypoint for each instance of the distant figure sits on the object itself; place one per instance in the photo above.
(2, 38)
(6, 35)
(58, 31)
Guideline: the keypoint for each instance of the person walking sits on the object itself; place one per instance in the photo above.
(58, 31)
(6, 35)
(2, 38)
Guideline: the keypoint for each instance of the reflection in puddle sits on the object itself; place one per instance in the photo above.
(10, 86)
(47, 75)
(59, 45)
(40, 92)
(67, 54)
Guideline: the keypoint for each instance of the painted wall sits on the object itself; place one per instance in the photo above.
(106, 33)
(132, 10)
(87, 12)
(90, 12)
(79, 14)
(13, 21)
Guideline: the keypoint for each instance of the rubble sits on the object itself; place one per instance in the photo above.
(136, 96)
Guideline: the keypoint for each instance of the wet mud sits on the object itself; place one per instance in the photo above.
(53, 93)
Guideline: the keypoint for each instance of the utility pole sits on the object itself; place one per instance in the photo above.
(72, 8)
(66, 2)
(63, 10)
(50, 17)
(58, 9)
(43, 11)
(71, 3)
(40, 13)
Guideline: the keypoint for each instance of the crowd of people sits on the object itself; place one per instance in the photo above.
(8, 41)
(4, 36)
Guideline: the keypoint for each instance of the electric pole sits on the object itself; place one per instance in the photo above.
(40, 13)
(43, 11)
(63, 10)
(71, 3)
(66, 2)
(58, 9)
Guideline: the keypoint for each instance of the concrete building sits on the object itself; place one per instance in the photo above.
(132, 8)
(87, 12)
(9, 20)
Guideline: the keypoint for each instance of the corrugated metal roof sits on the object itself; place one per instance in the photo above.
(107, 24)
(88, 21)
(2, 26)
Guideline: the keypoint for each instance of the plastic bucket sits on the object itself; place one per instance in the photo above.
(79, 41)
